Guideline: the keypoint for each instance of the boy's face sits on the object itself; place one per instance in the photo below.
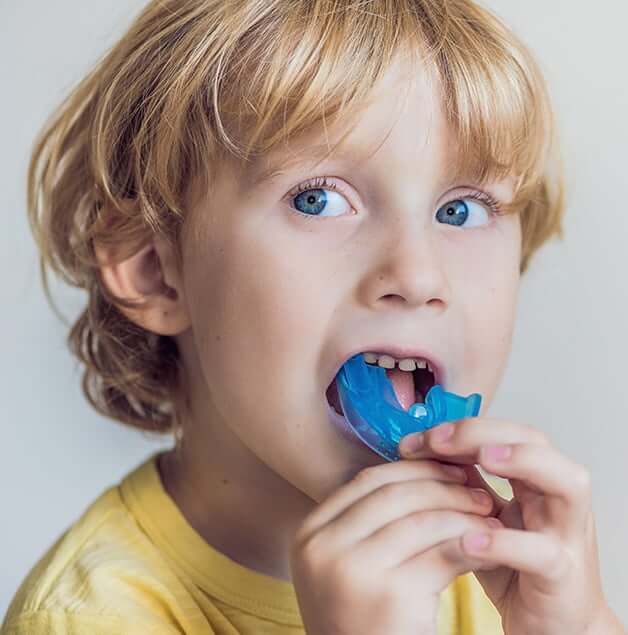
(278, 299)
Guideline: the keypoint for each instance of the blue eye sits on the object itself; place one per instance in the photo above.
(319, 199)
(457, 212)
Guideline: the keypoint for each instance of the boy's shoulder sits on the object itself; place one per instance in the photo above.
(102, 574)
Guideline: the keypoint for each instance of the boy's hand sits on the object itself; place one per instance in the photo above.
(547, 580)
(375, 555)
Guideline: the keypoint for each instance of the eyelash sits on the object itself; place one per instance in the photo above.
(322, 182)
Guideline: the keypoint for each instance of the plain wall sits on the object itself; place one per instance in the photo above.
(566, 371)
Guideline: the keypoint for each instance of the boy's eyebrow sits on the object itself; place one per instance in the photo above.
(259, 171)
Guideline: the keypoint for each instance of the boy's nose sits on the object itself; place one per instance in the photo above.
(409, 264)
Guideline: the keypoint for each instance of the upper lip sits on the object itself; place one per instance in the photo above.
(399, 353)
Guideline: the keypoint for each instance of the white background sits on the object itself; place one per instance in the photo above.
(566, 372)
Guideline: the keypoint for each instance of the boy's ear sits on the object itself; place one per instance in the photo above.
(152, 276)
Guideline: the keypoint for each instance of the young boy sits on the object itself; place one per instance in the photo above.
(252, 193)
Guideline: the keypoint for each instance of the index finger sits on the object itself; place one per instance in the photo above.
(466, 438)
(371, 478)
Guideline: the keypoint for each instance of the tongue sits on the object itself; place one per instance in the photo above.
(403, 384)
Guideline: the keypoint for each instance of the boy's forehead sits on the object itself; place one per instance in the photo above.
(351, 153)
(370, 124)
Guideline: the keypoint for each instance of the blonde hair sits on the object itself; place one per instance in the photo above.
(193, 84)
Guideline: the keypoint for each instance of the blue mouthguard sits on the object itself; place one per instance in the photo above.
(372, 410)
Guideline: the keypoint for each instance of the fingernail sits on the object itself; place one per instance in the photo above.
(494, 453)
(476, 541)
(412, 443)
(442, 432)
(494, 522)
(480, 496)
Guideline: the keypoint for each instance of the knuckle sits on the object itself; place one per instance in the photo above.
(582, 480)
(298, 540)
(536, 435)
(311, 552)
(396, 491)
(397, 496)
(424, 523)
(367, 476)
(556, 561)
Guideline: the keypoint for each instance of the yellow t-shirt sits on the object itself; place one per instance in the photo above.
(131, 564)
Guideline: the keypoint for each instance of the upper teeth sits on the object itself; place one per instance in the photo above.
(387, 361)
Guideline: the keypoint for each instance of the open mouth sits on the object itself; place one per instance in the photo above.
(410, 386)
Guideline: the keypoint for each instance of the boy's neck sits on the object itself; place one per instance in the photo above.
(236, 504)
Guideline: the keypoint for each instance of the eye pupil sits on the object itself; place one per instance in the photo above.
(311, 201)
(454, 213)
